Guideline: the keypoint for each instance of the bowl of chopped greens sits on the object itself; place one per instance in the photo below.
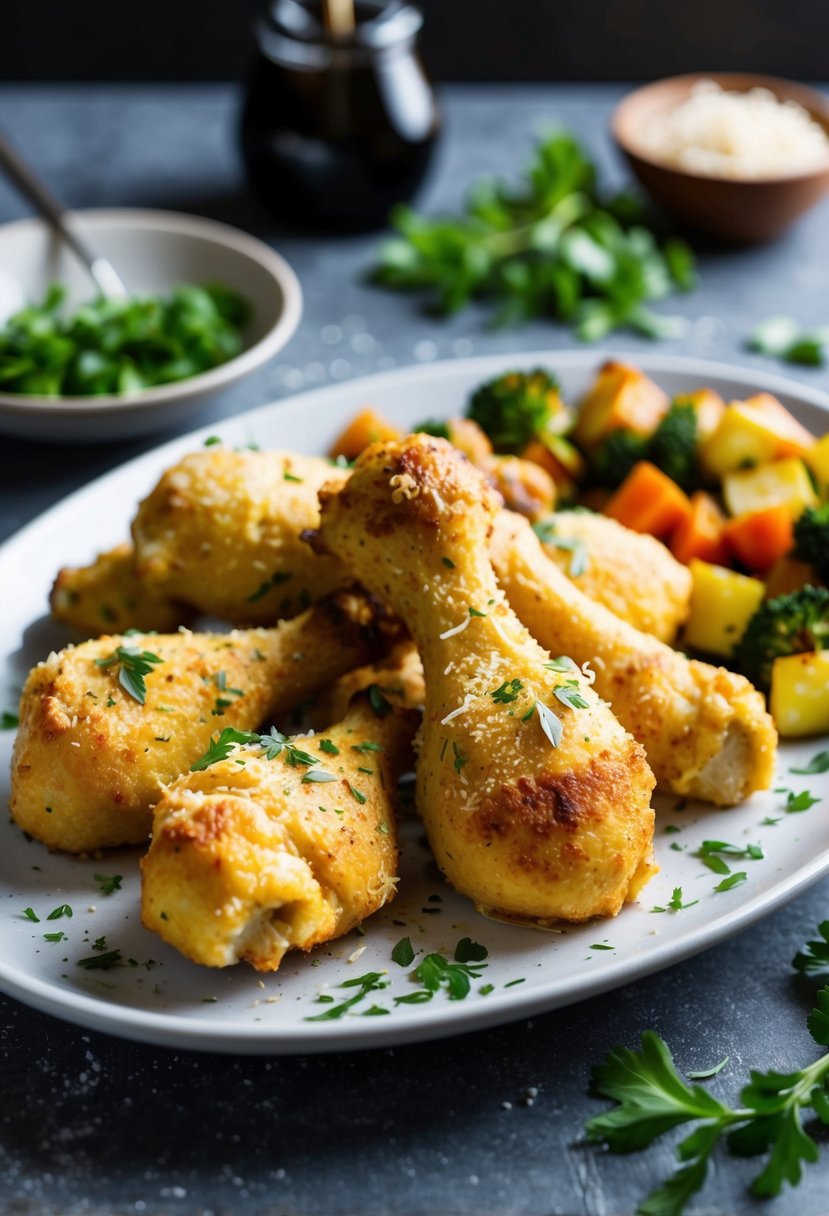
(208, 305)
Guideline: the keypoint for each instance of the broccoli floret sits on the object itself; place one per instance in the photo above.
(514, 408)
(615, 457)
(789, 624)
(811, 540)
(673, 445)
(432, 427)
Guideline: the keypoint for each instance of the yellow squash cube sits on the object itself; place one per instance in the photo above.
(817, 458)
(755, 431)
(709, 407)
(799, 700)
(781, 483)
(722, 604)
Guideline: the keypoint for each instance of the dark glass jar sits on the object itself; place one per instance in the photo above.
(336, 131)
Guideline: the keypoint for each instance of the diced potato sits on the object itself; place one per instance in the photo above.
(722, 604)
(622, 397)
(560, 459)
(709, 407)
(787, 575)
(799, 700)
(754, 432)
(781, 483)
(817, 458)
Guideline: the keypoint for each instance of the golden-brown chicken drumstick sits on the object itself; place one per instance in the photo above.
(281, 848)
(631, 573)
(91, 758)
(536, 801)
(221, 531)
(109, 597)
(705, 730)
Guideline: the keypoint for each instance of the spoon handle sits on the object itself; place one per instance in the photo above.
(102, 271)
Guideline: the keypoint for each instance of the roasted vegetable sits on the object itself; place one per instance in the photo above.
(722, 604)
(799, 698)
(517, 407)
(811, 539)
(672, 448)
(790, 624)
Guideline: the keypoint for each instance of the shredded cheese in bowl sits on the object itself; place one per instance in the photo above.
(748, 135)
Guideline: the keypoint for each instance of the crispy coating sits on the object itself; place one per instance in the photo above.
(705, 730)
(525, 828)
(90, 760)
(250, 860)
(108, 597)
(399, 675)
(221, 531)
(631, 573)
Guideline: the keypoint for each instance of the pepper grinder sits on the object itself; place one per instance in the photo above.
(340, 119)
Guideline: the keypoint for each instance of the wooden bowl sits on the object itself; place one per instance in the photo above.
(742, 211)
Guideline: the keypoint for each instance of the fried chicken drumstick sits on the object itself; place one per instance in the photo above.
(90, 758)
(261, 853)
(536, 801)
(705, 730)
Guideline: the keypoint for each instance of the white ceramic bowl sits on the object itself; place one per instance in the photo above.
(153, 251)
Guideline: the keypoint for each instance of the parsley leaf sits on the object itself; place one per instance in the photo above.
(403, 953)
(550, 723)
(819, 763)
(133, 666)
(570, 695)
(108, 883)
(814, 957)
(9, 720)
(507, 692)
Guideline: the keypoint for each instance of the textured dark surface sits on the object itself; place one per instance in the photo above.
(487, 1123)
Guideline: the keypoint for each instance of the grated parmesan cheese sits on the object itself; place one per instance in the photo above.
(736, 135)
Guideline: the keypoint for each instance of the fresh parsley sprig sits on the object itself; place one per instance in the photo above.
(653, 1099)
(273, 744)
(133, 666)
(814, 957)
(551, 247)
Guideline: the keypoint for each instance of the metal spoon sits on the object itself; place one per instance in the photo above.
(103, 273)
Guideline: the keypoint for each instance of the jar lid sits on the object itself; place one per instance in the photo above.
(379, 24)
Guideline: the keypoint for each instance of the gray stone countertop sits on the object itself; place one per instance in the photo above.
(487, 1123)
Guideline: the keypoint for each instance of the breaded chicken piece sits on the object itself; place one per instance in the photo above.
(108, 597)
(705, 730)
(631, 573)
(90, 759)
(400, 675)
(254, 856)
(536, 801)
(221, 531)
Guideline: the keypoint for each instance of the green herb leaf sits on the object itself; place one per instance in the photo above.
(403, 953)
(550, 724)
(133, 666)
(814, 957)
(9, 720)
(819, 763)
(109, 883)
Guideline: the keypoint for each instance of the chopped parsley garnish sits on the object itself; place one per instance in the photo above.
(276, 580)
(286, 476)
(330, 749)
(733, 880)
(30, 914)
(705, 1074)
(370, 982)
(713, 853)
(9, 720)
(562, 663)
(475, 612)
(448, 563)
(460, 759)
(435, 972)
(356, 795)
(272, 744)
(550, 724)
(60, 936)
(819, 763)
(468, 951)
(570, 695)
(403, 952)
(102, 962)
(59, 911)
(134, 665)
(317, 775)
(507, 692)
(797, 802)
(222, 703)
(109, 883)
(378, 701)
(367, 747)
(675, 903)
(212, 440)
